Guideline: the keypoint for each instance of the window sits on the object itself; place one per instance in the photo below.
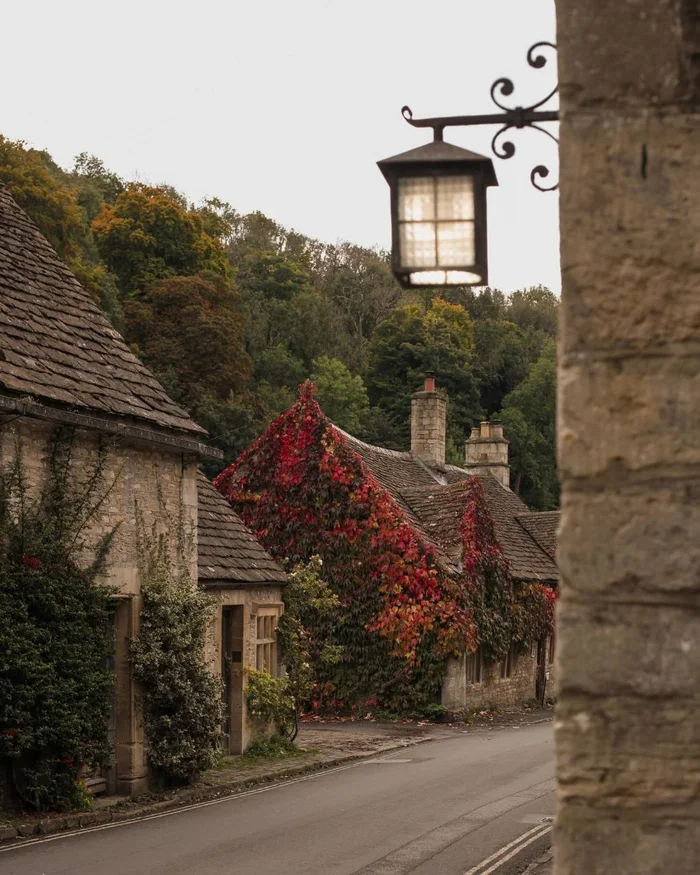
(266, 644)
(509, 662)
(473, 667)
(551, 647)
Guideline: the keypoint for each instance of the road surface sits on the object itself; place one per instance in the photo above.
(477, 803)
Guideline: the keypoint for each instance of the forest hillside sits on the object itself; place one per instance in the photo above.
(232, 312)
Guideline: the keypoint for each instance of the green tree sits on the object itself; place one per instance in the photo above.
(31, 179)
(529, 423)
(342, 395)
(501, 360)
(413, 341)
(147, 235)
(189, 330)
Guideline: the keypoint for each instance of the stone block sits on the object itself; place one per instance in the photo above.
(7, 833)
(631, 414)
(645, 57)
(629, 228)
(28, 828)
(608, 844)
(632, 543)
(606, 648)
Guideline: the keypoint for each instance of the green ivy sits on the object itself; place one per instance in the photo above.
(181, 697)
(55, 684)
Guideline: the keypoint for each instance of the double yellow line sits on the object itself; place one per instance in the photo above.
(510, 850)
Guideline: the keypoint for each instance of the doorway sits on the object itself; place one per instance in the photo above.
(232, 676)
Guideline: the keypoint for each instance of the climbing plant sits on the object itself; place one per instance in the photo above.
(304, 492)
(55, 684)
(181, 696)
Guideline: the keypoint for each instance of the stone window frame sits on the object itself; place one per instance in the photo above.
(266, 655)
(509, 663)
(474, 667)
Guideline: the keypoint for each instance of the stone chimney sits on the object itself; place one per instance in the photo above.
(487, 448)
(428, 420)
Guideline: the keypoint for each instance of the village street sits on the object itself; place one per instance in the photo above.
(444, 807)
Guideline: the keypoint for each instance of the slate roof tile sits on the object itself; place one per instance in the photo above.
(433, 501)
(55, 343)
(227, 552)
(543, 528)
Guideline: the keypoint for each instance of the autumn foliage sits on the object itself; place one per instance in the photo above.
(304, 492)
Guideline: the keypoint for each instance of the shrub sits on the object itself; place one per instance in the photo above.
(269, 698)
(181, 697)
(55, 684)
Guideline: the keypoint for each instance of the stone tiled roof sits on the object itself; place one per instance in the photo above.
(543, 528)
(55, 344)
(227, 552)
(433, 500)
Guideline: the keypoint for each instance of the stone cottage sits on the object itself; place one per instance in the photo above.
(61, 363)
(431, 493)
(247, 585)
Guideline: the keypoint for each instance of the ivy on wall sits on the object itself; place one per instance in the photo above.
(304, 492)
(55, 684)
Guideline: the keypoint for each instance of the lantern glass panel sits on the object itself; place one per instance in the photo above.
(455, 197)
(455, 243)
(417, 243)
(416, 199)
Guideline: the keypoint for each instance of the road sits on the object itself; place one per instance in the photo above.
(460, 805)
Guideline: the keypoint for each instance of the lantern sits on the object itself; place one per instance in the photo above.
(438, 215)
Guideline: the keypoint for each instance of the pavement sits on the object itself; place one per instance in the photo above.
(478, 802)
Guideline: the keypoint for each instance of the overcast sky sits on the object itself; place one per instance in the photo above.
(284, 106)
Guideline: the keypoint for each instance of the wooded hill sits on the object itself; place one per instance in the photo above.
(232, 312)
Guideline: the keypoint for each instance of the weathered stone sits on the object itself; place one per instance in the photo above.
(633, 542)
(651, 61)
(627, 737)
(656, 649)
(94, 818)
(638, 413)
(28, 828)
(630, 226)
(7, 832)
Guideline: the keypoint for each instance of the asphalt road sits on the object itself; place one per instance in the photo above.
(463, 805)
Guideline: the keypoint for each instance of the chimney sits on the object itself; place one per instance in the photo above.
(428, 416)
(487, 448)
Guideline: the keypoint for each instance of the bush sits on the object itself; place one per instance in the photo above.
(55, 684)
(269, 699)
(181, 697)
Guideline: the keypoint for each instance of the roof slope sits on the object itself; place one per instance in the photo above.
(55, 343)
(227, 552)
(543, 528)
(434, 499)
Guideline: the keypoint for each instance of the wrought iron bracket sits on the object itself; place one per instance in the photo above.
(510, 117)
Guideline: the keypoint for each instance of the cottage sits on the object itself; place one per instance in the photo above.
(61, 363)
(272, 485)
(247, 585)
(432, 494)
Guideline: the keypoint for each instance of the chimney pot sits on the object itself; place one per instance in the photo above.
(485, 428)
(429, 383)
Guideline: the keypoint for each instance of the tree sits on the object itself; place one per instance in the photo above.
(147, 235)
(529, 422)
(413, 341)
(536, 308)
(189, 330)
(342, 395)
(501, 360)
(51, 204)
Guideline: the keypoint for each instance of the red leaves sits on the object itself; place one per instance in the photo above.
(32, 562)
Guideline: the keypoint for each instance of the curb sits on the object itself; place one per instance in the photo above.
(542, 861)
(64, 822)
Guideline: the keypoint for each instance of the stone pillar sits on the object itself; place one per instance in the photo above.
(487, 448)
(428, 424)
(628, 645)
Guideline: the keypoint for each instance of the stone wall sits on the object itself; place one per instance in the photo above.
(162, 484)
(628, 715)
(252, 601)
(493, 691)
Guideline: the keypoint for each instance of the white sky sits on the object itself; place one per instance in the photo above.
(285, 105)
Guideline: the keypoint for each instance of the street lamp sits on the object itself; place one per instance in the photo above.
(438, 215)
(438, 191)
